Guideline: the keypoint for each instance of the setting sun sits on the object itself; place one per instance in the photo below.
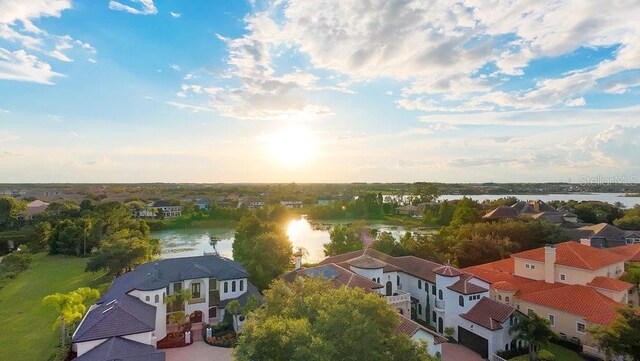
(292, 145)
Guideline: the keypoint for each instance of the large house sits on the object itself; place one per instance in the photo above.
(604, 235)
(168, 209)
(536, 209)
(33, 208)
(132, 313)
(439, 295)
(571, 284)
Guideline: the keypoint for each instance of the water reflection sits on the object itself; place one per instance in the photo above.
(303, 234)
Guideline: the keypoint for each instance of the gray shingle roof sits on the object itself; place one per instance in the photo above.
(158, 274)
(122, 317)
(121, 349)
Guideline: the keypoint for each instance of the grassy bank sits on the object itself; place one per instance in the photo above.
(27, 332)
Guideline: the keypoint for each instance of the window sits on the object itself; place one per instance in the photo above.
(226, 287)
(580, 327)
(470, 298)
(378, 280)
(195, 290)
(419, 309)
(419, 284)
(241, 285)
(440, 294)
(529, 312)
(157, 299)
(398, 280)
(433, 316)
(506, 298)
(527, 266)
(533, 266)
(563, 277)
(461, 301)
(177, 287)
(233, 286)
(552, 320)
(499, 297)
(433, 290)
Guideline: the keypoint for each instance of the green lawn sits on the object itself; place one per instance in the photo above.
(562, 354)
(27, 332)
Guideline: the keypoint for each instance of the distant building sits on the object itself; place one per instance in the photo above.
(203, 203)
(536, 209)
(604, 235)
(168, 209)
(411, 210)
(292, 204)
(251, 203)
(33, 208)
(324, 202)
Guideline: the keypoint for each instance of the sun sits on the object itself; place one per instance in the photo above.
(292, 145)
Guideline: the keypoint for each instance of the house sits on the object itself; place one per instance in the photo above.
(292, 204)
(418, 333)
(251, 203)
(324, 202)
(536, 209)
(604, 235)
(133, 313)
(571, 284)
(168, 209)
(203, 203)
(437, 294)
(411, 210)
(33, 208)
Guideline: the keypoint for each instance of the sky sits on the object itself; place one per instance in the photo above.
(319, 91)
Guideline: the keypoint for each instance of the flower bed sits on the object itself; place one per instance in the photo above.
(228, 339)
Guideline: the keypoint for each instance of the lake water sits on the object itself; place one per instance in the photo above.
(302, 233)
(312, 236)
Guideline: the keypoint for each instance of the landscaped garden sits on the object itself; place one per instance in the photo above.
(221, 335)
(27, 324)
(560, 353)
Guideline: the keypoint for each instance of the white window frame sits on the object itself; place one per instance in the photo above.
(578, 330)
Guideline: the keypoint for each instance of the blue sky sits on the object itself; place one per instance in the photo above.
(318, 91)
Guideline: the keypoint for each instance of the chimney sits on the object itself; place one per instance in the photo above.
(585, 241)
(549, 263)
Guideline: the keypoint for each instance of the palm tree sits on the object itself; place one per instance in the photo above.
(178, 297)
(533, 330)
(71, 307)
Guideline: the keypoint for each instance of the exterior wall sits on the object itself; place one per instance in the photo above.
(507, 297)
(84, 347)
(453, 309)
(564, 322)
(199, 304)
(534, 274)
(618, 296)
(149, 297)
(230, 294)
(432, 348)
(577, 276)
(497, 340)
(146, 338)
(372, 274)
(410, 284)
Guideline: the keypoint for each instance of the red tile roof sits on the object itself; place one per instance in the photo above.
(447, 271)
(630, 252)
(609, 283)
(489, 314)
(409, 328)
(505, 286)
(366, 262)
(576, 299)
(575, 255)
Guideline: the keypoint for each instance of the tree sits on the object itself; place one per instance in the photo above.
(9, 210)
(178, 298)
(346, 238)
(621, 336)
(534, 330)
(263, 249)
(630, 220)
(121, 253)
(482, 249)
(310, 319)
(467, 212)
(41, 233)
(71, 307)
(386, 243)
(425, 192)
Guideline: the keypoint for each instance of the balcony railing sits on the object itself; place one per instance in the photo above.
(399, 297)
(440, 304)
(197, 300)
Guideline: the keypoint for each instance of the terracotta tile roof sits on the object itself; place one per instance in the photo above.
(505, 265)
(505, 286)
(609, 283)
(489, 314)
(338, 275)
(630, 252)
(409, 328)
(447, 271)
(465, 287)
(575, 255)
(366, 262)
(576, 299)
(502, 212)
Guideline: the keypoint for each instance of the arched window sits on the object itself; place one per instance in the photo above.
(461, 301)
(433, 290)
(420, 284)
(147, 298)
(440, 294)
(157, 299)
(226, 287)
(233, 286)
(398, 280)
(241, 285)
(506, 298)
(499, 297)
(378, 280)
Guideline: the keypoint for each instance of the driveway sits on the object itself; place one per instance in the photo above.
(456, 352)
(199, 351)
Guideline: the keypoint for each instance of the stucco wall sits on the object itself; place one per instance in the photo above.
(230, 294)
(432, 348)
(564, 322)
(522, 271)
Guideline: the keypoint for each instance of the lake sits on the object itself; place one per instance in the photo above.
(312, 236)
(301, 232)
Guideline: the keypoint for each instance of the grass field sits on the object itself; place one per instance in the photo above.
(27, 332)
(562, 354)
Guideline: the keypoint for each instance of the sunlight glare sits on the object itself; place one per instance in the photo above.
(292, 145)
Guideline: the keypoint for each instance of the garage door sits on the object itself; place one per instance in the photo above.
(474, 342)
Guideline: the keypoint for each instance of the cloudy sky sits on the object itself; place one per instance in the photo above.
(318, 91)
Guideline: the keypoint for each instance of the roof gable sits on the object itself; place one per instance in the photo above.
(122, 349)
(489, 314)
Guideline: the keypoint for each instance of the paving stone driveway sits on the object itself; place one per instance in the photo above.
(456, 352)
(199, 351)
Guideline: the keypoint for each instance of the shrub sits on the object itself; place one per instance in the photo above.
(544, 355)
(573, 346)
(509, 354)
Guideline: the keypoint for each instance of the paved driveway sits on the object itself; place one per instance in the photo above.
(456, 352)
(199, 351)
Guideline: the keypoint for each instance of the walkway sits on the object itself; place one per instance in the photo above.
(199, 351)
(456, 352)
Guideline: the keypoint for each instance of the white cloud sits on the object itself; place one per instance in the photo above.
(4, 136)
(20, 66)
(175, 67)
(137, 7)
(175, 15)
(4, 111)
(577, 102)
(192, 108)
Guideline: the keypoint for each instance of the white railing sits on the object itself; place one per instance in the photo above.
(440, 304)
(497, 358)
(400, 297)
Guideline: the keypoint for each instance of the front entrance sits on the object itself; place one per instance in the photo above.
(389, 288)
(440, 325)
(195, 317)
(474, 342)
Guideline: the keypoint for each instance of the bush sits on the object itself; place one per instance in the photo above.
(12, 265)
(509, 354)
(227, 339)
(544, 355)
(573, 346)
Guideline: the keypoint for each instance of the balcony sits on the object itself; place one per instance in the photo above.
(440, 305)
(399, 297)
(193, 301)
